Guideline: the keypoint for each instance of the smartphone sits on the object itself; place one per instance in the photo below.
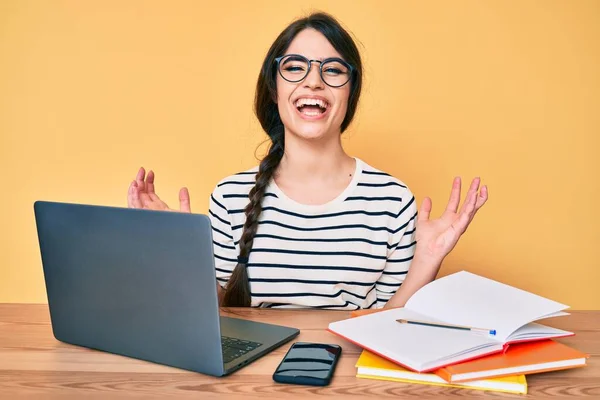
(308, 364)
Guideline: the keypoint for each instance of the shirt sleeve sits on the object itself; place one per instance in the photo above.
(400, 254)
(224, 249)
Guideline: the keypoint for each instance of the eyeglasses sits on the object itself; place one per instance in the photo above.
(335, 72)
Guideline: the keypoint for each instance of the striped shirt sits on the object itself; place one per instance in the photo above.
(352, 252)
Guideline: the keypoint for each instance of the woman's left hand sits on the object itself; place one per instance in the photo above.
(437, 237)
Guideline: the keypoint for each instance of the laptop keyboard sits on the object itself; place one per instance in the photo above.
(234, 348)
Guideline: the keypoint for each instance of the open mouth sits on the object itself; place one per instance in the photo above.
(311, 107)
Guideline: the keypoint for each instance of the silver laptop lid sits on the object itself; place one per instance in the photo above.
(134, 282)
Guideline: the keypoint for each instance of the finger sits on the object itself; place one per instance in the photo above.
(135, 196)
(130, 195)
(424, 210)
(471, 203)
(470, 209)
(145, 191)
(150, 204)
(150, 183)
(461, 224)
(145, 199)
(150, 188)
(184, 200)
(466, 216)
(140, 178)
(472, 189)
(454, 196)
(142, 188)
(482, 198)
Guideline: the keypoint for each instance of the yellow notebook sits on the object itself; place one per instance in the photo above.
(372, 366)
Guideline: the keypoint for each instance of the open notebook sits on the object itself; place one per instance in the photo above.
(462, 299)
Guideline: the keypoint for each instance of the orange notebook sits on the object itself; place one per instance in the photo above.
(519, 358)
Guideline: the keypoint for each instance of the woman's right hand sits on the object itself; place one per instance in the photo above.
(141, 194)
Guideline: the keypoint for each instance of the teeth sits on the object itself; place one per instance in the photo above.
(311, 113)
(311, 102)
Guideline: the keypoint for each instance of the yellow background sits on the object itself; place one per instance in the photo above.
(507, 90)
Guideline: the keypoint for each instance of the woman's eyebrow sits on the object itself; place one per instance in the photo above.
(325, 58)
(317, 58)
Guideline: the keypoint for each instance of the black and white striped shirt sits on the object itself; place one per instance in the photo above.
(352, 252)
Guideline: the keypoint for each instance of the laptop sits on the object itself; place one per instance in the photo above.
(142, 284)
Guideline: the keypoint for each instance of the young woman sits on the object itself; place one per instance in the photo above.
(312, 226)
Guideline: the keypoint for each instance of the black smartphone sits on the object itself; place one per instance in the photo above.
(308, 364)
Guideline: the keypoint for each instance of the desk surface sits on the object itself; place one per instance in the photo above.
(34, 365)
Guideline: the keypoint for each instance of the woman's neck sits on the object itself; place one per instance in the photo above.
(312, 161)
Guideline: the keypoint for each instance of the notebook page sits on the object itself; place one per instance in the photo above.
(414, 346)
(467, 299)
(533, 331)
(556, 314)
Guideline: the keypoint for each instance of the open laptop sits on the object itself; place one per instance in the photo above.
(142, 284)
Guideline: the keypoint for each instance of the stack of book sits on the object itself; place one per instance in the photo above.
(462, 330)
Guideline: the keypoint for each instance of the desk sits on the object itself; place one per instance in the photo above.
(34, 365)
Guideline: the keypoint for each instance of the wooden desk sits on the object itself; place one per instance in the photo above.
(34, 365)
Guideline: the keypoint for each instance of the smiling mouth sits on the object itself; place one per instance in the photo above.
(311, 107)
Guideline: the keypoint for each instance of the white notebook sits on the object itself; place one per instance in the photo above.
(463, 299)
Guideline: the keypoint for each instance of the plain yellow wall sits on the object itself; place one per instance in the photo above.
(508, 90)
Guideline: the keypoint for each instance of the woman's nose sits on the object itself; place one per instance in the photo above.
(313, 79)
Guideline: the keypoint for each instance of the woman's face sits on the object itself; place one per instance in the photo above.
(306, 120)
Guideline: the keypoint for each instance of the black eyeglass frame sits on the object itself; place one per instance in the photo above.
(321, 62)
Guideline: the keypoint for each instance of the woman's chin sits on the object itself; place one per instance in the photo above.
(311, 131)
(312, 135)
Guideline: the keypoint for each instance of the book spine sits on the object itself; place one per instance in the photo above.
(444, 374)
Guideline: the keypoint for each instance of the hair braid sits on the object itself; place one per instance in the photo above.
(238, 287)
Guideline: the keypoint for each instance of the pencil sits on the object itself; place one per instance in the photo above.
(448, 326)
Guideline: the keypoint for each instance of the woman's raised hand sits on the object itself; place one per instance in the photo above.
(437, 237)
(141, 194)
